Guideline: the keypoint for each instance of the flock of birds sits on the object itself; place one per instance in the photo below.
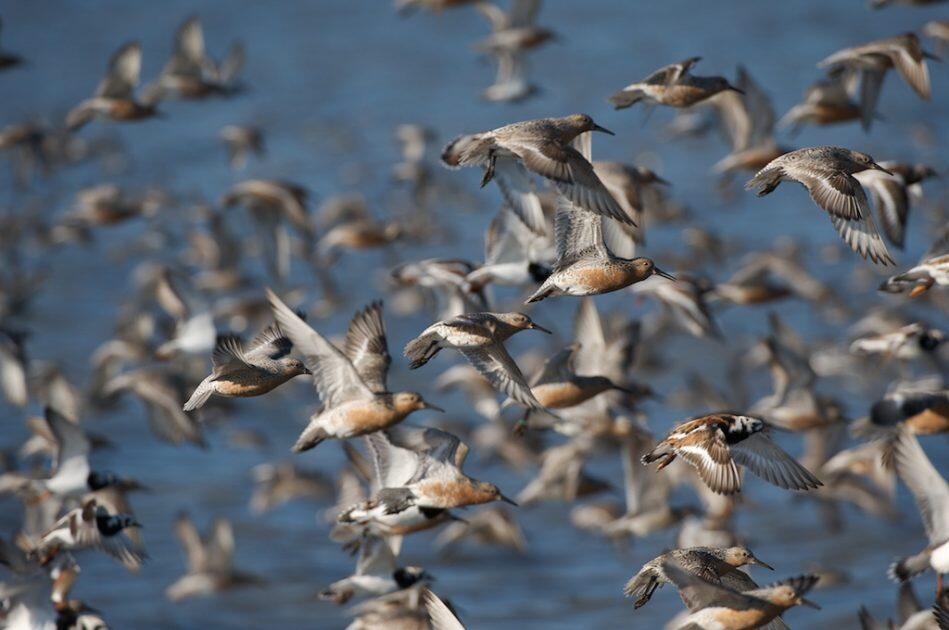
(567, 226)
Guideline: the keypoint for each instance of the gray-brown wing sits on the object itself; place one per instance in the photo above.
(703, 594)
(502, 372)
(573, 176)
(759, 108)
(367, 348)
(394, 466)
(671, 73)
(862, 236)
(335, 378)
(927, 485)
(518, 191)
(188, 55)
(122, 76)
(577, 233)
(190, 540)
(557, 368)
(907, 56)
(270, 343)
(835, 192)
(435, 443)
(770, 462)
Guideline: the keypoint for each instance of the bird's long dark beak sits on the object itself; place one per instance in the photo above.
(534, 326)
(428, 405)
(659, 180)
(929, 55)
(762, 564)
(507, 500)
(660, 272)
(596, 127)
(877, 167)
(809, 603)
(734, 89)
(135, 524)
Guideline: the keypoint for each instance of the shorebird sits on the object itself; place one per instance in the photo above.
(191, 73)
(512, 34)
(827, 173)
(376, 574)
(245, 371)
(70, 613)
(748, 121)
(7, 59)
(357, 515)
(672, 85)
(210, 561)
(195, 332)
(73, 476)
(932, 270)
(351, 407)
(480, 338)
(511, 84)
(826, 102)
(585, 265)
(931, 493)
(114, 97)
(907, 343)
(718, 565)
(162, 404)
(91, 526)
(562, 475)
(433, 460)
(685, 300)
(558, 385)
(108, 204)
(272, 205)
(444, 281)
(276, 484)
(717, 607)
(514, 30)
(871, 61)
(716, 444)
(543, 147)
(240, 141)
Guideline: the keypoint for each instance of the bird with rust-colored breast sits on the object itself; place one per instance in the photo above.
(114, 98)
(354, 403)
(251, 370)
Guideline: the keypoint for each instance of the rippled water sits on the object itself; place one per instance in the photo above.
(329, 81)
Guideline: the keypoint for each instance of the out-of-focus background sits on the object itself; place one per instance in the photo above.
(328, 82)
